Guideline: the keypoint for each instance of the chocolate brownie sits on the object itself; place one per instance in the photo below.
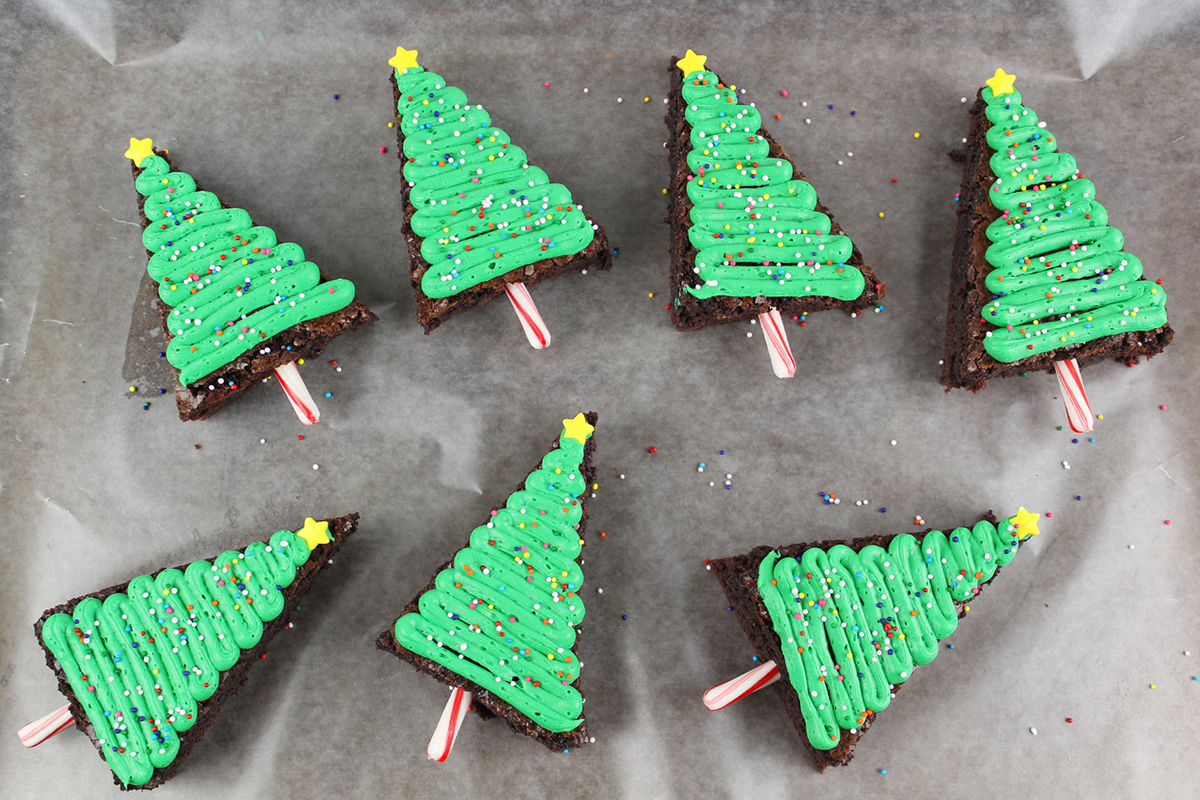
(689, 312)
(230, 680)
(967, 364)
(739, 577)
(484, 702)
(202, 397)
(432, 312)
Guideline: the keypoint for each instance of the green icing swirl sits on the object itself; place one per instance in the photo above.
(230, 284)
(754, 228)
(481, 209)
(141, 660)
(1059, 276)
(852, 625)
(504, 614)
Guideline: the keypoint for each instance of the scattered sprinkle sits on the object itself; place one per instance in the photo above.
(1033, 731)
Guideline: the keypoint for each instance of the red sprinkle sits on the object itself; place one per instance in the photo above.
(653, 449)
(894, 180)
(300, 438)
(1069, 719)
(383, 149)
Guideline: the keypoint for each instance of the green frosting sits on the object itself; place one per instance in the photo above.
(504, 614)
(754, 227)
(229, 283)
(482, 209)
(1059, 276)
(141, 660)
(852, 625)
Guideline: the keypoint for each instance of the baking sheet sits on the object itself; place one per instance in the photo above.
(423, 435)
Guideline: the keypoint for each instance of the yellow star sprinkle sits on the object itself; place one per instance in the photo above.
(1026, 522)
(691, 62)
(577, 428)
(139, 150)
(404, 59)
(1001, 82)
(314, 533)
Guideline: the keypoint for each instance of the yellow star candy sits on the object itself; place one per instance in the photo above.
(404, 59)
(314, 533)
(139, 150)
(577, 428)
(691, 62)
(1001, 83)
(1026, 522)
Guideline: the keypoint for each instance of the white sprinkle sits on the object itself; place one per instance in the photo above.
(262, 441)
(599, 591)
(749, 333)
(839, 163)
(315, 466)
(893, 442)
(622, 476)
(620, 100)
(964, 100)
(851, 155)
(1130, 547)
(585, 91)
(807, 121)
(1033, 731)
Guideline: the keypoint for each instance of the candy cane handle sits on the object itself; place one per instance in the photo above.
(447, 727)
(531, 321)
(297, 393)
(777, 344)
(1079, 411)
(729, 692)
(39, 731)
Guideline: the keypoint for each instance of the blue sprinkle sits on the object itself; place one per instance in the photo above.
(883, 772)
(722, 452)
(883, 511)
(754, 658)
(329, 394)
(335, 97)
(950, 646)
(624, 616)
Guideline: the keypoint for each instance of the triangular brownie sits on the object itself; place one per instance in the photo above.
(833, 682)
(1038, 275)
(235, 302)
(147, 664)
(477, 214)
(500, 619)
(747, 230)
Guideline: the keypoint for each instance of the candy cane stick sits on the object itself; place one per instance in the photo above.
(535, 328)
(777, 344)
(729, 692)
(447, 727)
(39, 731)
(297, 393)
(1079, 411)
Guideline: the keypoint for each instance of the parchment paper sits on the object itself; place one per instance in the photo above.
(423, 435)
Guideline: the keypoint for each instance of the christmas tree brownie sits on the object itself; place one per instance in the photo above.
(747, 232)
(500, 619)
(802, 604)
(478, 217)
(147, 664)
(236, 303)
(1038, 276)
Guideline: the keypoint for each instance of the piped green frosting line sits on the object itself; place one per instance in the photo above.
(229, 283)
(1060, 276)
(141, 660)
(755, 228)
(852, 625)
(482, 209)
(504, 614)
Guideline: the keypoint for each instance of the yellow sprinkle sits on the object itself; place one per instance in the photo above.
(1099, 416)
(595, 486)
(966, 609)
(664, 191)
(391, 124)
(647, 100)
(550, 656)
(300, 361)
(881, 215)
(133, 388)
(916, 136)
(1152, 686)
(651, 294)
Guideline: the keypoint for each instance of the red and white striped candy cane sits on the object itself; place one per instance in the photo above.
(729, 692)
(1079, 411)
(531, 321)
(297, 393)
(447, 727)
(39, 731)
(777, 343)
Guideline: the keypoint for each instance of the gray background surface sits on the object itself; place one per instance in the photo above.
(424, 435)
